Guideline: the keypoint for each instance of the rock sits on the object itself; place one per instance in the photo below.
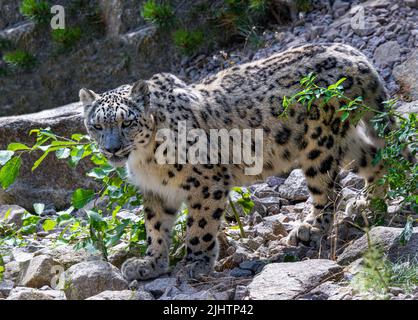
(352, 180)
(158, 286)
(67, 256)
(387, 53)
(15, 214)
(54, 181)
(86, 279)
(287, 281)
(5, 287)
(411, 3)
(38, 272)
(327, 291)
(122, 295)
(255, 266)
(238, 273)
(22, 293)
(386, 237)
(406, 74)
(411, 107)
(12, 270)
(266, 205)
(240, 292)
(295, 187)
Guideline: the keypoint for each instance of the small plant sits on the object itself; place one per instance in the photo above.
(20, 59)
(37, 10)
(188, 41)
(402, 173)
(245, 202)
(160, 15)
(66, 38)
(377, 274)
(102, 229)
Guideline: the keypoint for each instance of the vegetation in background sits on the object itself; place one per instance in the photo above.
(161, 15)
(20, 60)
(37, 10)
(188, 41)
(66, 38)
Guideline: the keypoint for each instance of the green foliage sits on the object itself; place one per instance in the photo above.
(160, 15)
(377, 274)
(37, 10)
(373, 277)
(402, 173)
(188, 41)
(102, 229)
(66, 38)
(20, 59)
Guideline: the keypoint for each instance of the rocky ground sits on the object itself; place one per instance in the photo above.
(258, 266)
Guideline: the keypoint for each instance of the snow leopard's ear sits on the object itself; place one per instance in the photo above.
(140, 94)
(87, 97)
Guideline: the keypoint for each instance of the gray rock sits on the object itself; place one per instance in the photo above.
(353, 181)
(387, 53)
(411, 107)
(37, 272)
(122, 295)
(411, 3)
(5, 287)
(406, 74)
(14, 212)
(255, 266)
(87, 279)
(286, 281)
(22, 293)
(158, 286)
(327, 291)
(386, 237)
(54, 181)
(67, 256)
(238, 273)
(295, 187)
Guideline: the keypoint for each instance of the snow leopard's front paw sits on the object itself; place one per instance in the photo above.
(311, 231)
(142, 269)
(193, 269)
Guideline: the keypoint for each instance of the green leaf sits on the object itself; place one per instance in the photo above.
(7, 214)
(345, 116)
(5, 155)
(17, 146)
(39, 208)
(49, 225)
(81, 197)
(63, 153)
(39, 161)
(10, 171)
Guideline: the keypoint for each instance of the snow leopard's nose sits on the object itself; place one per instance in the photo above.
(112, 143)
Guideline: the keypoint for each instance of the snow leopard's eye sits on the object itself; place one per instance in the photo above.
(127, 123)
(97, 127)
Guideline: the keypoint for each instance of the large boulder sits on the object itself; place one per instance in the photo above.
(38, 272)
(388, 239)
(86, 279)
(406, 74)
(53, 181)
(289, 280)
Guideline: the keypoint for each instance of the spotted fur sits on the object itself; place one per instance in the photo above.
(124, 123)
